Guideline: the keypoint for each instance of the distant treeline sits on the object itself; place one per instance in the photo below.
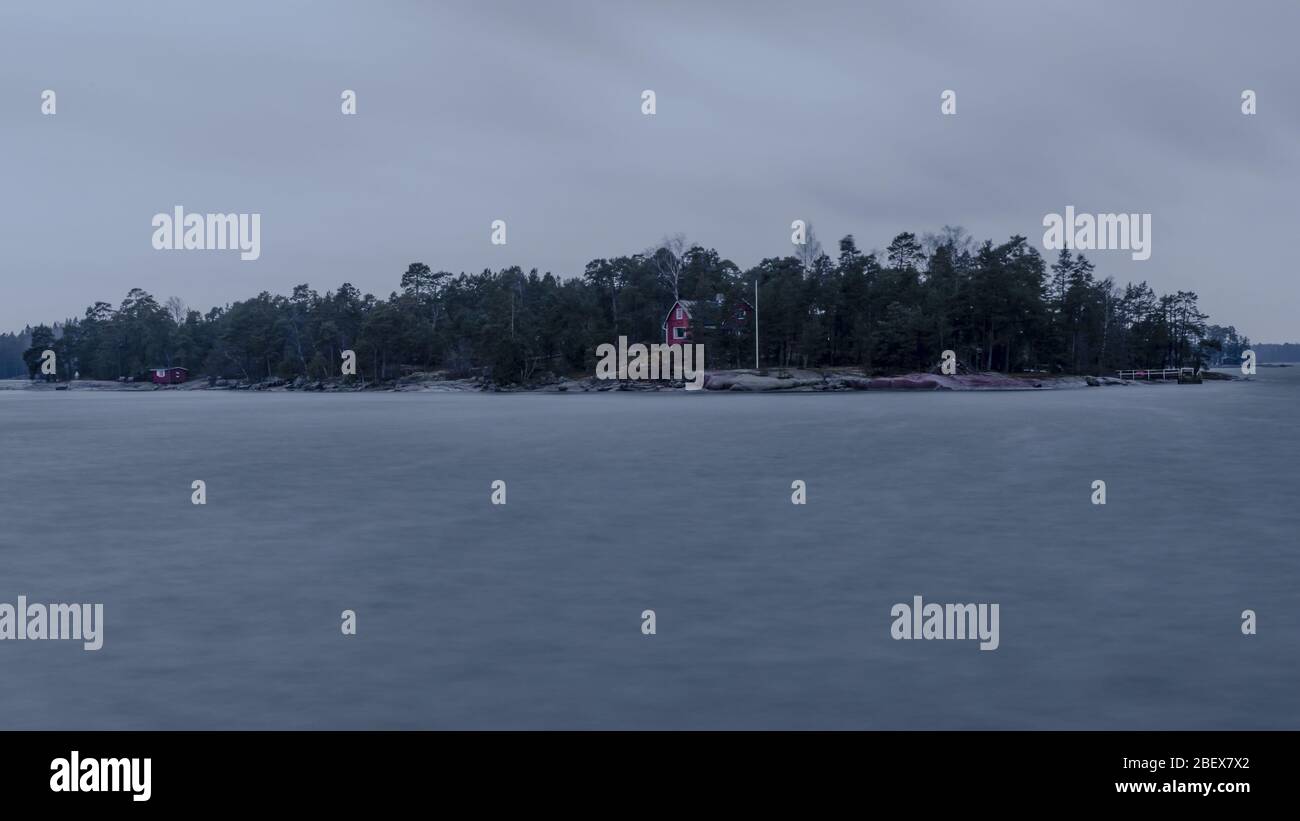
(998, 306)
(1286, 352)
(12, 347)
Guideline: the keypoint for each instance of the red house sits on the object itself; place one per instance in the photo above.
(170, 376)
(677, 325)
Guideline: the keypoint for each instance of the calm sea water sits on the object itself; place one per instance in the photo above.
(769, 615)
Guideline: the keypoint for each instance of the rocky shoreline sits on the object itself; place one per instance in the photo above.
(741, 381)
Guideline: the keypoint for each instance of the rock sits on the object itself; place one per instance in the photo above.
(756, 382)
(912, 383)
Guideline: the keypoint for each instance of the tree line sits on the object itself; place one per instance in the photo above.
(998, 306)
(12, 347)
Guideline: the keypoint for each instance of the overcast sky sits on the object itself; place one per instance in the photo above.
(531, 112)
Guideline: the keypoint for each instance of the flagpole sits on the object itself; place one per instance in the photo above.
(755, 322)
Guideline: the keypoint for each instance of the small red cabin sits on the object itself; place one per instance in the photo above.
(170, 376)
(677, 325)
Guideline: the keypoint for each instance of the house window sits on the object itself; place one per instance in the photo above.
(679, 313)
(679, 332)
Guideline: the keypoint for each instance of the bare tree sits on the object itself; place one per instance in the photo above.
(669, 258)
(953, 236)
(808, 253)
(177, 309)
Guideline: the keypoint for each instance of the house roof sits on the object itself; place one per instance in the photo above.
(689, 304)
(686, 305)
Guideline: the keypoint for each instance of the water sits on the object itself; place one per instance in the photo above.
(769, 615)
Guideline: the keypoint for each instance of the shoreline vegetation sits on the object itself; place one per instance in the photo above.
(740, 381)
(998, 307)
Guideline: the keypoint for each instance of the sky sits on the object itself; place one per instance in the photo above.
(531, 112)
